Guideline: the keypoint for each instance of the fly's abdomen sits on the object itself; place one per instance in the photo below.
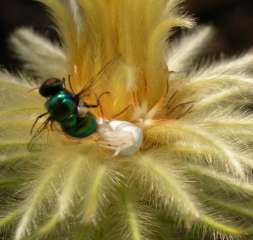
(84, 127)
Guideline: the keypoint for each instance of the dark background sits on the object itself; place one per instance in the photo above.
(233, 20)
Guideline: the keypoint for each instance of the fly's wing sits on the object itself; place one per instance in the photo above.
(95, 79)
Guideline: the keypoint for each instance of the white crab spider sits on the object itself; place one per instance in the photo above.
(123, 137)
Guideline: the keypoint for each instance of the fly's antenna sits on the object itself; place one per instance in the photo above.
(32, 90)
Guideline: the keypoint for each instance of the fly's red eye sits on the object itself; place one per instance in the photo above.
(50, 87)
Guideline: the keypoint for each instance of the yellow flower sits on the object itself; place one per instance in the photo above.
(183, 170)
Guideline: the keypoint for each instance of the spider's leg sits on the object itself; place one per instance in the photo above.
(122, 111)
(180, 105)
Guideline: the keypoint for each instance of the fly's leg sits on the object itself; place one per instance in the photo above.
(97, 104)
(38, 132)
(122, 111)
(83, 107)
(36, 121)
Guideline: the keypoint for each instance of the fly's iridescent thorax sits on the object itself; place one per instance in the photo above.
(62, 106)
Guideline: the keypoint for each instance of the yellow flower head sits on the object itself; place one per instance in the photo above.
(171, 155)
(119, 46)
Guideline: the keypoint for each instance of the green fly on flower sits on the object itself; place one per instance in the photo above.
(76, 121)
(64, 107)
(167, 150)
